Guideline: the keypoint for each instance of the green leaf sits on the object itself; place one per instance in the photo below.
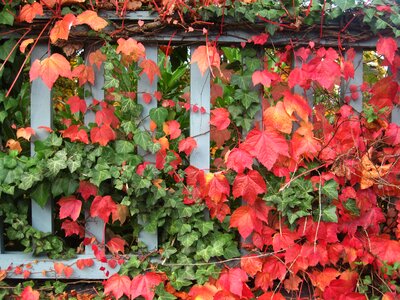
(143, 139)
(204, 227)
(28, 179)
(247, 98)
(3, 115)
(41, 195)
(57, 163)
(345, 4)
(74, 162)
(6, 50)
(351, 206)
(187, 240)
(98, 176)
(159, 115)
(329, 214)
(242, 81)
(329, 189)
(123, 147)
(6, 17)
(163, 294)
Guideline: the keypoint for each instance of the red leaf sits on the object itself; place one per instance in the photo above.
(218, 186)
(26, 274)
(304, 143)
(203, 292)
(87, 189)
(234, 280)
(84, 263)
(385, 249)
(62, 28)
(29, 294)
(75, 134)
(292, 283)
(118, 285)
(58, 268)
(102, 135)
(131, 48)
(251, 264)
(206, 57)
(324, 278)
(106, 116)
(387, 47)
(392, 134)
(264, 77)
(144, 285)
(295, 103)
(70, 207)
(172, 128)
(29, 12)
(147, 98)
(91, 18)
(84, 74)
(77, 104)
(266, 146)
(103, 207)
(68, 271)
(187, 145)
(25, 133)
(150, 68)
(238, 160)
(50, 68)
(116, 245)
(220, 118)
(271, 296)
(249, 186)
(71, 227)
(244, 218)
(260, 39)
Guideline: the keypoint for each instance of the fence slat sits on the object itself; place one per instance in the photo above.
(396, 109)
(41, 115)
(200, 122)
(357, 80)
(94, 227)
(150, 239)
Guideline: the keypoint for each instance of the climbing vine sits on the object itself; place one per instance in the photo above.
(301, 196)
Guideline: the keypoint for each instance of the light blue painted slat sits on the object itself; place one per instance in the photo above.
(358, 81)
(200, 123)
(94, 227)
(44, 267)
(396, 110)
(150, 239)
(41, 115)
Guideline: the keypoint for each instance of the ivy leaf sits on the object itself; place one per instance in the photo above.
(245, 219)
(50, 68)
(90, 17)
(118, 285)
(6, 16)
(249, 186)
(159, 115)
(142, 139)
(103, 207)
(30, 11)
(266, 146)
(329, 189)
(150, 68)
(387, 47)
(70, 207)
(329, 214)
(144, 285)
(41, 194)
(220, 118)
(345, 4)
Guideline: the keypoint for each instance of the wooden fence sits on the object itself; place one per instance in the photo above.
(41, 115)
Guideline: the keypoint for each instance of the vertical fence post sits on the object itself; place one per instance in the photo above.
(150, 239)
(94, 227)
(396, 108)
(41, 115)
(357, 80)
(200, 122)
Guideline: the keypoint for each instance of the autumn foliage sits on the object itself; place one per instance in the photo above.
(301, 195)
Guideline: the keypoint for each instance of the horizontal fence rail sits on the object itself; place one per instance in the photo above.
(41, 115)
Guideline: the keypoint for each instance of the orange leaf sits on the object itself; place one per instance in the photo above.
(68, 271)
(276, 117)
(97, 58)
(25, 133)
(84, 263)
(172, 128)
(61, 29)
(150, 68)
(84, 74)
(116, 245)
(206, 57)
(3, 274)
(14, 145)
(29, 12)
(50, 68)
(24, 44)
(58, 268)
(131, 48)
(90, 17)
